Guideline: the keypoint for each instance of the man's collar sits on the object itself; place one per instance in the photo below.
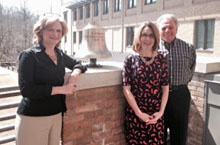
(163, 49)
(168, 44)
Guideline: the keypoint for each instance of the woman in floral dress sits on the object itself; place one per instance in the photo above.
(145, 86)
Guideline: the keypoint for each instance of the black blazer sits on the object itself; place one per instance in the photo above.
(37, 75)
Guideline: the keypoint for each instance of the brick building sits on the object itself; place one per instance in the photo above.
(199, 24)
(96, 111)
(199, 21)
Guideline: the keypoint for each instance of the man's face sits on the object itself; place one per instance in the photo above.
(168, 30)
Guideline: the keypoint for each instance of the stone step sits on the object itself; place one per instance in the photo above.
(8, 88)
(7, 117)
(12, 93)
(9, 105)
(7, 139)
(7, 128)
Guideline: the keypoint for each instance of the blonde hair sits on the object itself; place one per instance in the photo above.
(44, 23)
(137, 43)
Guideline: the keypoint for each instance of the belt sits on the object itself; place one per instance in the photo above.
(175, 88)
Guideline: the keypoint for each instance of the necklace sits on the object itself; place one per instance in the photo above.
(53, 57)
(148, 61)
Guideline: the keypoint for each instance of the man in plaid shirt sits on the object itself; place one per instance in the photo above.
(181, 60)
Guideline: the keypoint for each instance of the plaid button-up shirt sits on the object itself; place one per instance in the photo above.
(181, 60)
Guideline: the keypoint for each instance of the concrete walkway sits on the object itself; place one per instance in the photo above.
(8, 78)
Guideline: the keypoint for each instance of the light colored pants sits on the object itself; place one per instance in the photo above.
(44, 130)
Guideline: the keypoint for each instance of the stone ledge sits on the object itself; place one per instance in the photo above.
(110, 73)
(207, 64)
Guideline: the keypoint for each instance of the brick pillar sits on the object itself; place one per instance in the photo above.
(95, 117)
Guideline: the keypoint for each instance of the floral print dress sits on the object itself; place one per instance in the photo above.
(146, 81)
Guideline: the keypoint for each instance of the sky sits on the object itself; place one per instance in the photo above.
(36, 6)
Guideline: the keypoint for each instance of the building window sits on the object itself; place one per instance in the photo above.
(131, 4)
(205, 34)
(117, 5)
(65, 16)
(147, 2)
(65, 39)
(105, 6)
(129, 36)
(88, 11)
(80, 37)
(74, 37)
(81, 13)
(74, 14)
(96, 8)
(65, 19)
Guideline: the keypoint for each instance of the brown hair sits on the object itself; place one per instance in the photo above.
(137, 44)
(45, 22)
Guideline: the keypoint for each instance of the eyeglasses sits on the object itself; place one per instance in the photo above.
(151, 36)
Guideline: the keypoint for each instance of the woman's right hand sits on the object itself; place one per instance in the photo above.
(69, 89)
(144, 117)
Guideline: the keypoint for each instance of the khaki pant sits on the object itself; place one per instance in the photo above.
(44, 130)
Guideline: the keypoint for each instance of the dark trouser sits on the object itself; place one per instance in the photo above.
(177, 114)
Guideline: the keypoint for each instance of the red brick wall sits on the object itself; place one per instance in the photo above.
(197, 110)
(95, 117)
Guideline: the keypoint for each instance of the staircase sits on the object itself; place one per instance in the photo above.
(9, 100)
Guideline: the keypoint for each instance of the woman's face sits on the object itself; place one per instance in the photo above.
(52, 34)
(147, 38)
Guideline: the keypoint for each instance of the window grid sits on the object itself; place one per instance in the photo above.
(131, 4)
(105, 6)
(88, 11)
(205, 34)
(81, 13)
(96, 8)
(74, 37)
(80, 37)
(117, 5)
(129, 36)
(148, 2)
(75, 15)
(65, 18)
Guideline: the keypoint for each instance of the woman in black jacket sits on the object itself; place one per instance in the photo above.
(41, 82)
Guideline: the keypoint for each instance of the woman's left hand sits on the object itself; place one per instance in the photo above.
(75, 76)
(74, 79)
(155, 116)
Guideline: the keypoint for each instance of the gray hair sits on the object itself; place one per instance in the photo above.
(167, 17)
